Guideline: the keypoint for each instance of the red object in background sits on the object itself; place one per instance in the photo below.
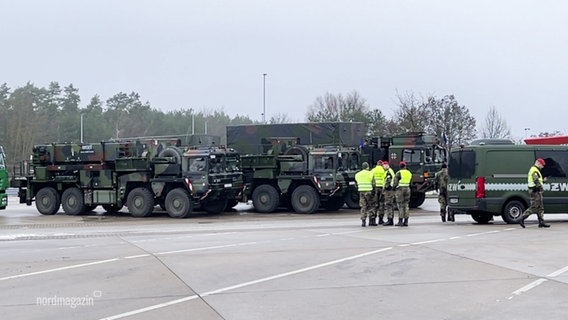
(548, 140)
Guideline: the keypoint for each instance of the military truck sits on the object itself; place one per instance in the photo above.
(3, 180)
(138, 174)
(303, 178)
(423, 154)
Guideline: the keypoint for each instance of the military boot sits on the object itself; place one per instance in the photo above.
(443, 216)
(405, 222)
(399, 224)
(363, 222)
(522, 222)
(542, 224)
(381, 221)
(389, 222)
(372, 222)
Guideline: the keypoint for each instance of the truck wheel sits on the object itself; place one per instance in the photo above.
(111, 208)
(47, 201)
(215, 206)
(352, 199)
(265, 198)
(178, 203)
(334, 203)
(72, 201)
(305, 199)
(416, 199)
(481, 218)
(513, 211)
(140, 202)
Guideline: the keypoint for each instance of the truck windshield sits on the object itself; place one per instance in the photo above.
(2, 160)
(324, 163)
(232, 163)
(198, 164)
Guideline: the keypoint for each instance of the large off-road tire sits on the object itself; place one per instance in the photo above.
(178, 203)
(416, 199)
(173, 152)
(334, 203)
(72, 201)
(140, 202)
(352, 199)
(513, 211)
(112, 208)
(481, 218)
(215, 206)
(305, 199)
(265, 198)
(47, 201)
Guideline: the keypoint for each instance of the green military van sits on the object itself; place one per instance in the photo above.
(491, 180)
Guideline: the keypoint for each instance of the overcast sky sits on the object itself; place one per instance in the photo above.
(211, 54)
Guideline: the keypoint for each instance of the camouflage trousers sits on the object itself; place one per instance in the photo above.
(443, 201)
(388, 198)
(536, 205)
(379, 203)
(367, 204)
(402, 199)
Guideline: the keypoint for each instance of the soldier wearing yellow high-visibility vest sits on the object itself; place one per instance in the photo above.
(365, 185)
(379, 173)
(388, 193)
(535, 181)
(401, 186)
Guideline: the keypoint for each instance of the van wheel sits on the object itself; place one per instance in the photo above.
(513, 211)
(481, 218)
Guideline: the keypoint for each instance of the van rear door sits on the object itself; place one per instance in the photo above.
(461, 184)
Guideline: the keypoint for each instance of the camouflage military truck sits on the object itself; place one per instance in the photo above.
(295, 176)
(138, 174)
(3, 180)
(422, 153)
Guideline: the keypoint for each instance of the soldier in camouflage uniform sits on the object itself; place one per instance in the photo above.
(388, 193)
(379, 173)
(401, 185)
(535, 181)
(441, 178)
(365, 185)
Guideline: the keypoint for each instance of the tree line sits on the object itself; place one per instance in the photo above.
(31, 115)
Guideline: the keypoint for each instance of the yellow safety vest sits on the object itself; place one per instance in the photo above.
(379, 173)
(364, 179)
(532, 170)
(405, 177)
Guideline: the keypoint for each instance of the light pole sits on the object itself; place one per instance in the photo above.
(264, 98)
(526, 132)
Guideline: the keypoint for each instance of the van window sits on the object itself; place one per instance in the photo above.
(462, 164)
(556, 162)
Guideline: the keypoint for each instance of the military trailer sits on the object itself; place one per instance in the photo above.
(138, 174)
(491, 180)
(423, 154)
(3, 180)
(303, 178)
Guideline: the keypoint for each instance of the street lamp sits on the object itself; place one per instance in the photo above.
(264, 97)
(526, 131)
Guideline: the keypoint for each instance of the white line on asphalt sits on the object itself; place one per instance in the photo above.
(323, 235)
(428, 241)
(58, 269)
(558, 272)
(454, 238)
(198, 249)
(529, 286)
(138, 256)
(245, 284)
(481, 233)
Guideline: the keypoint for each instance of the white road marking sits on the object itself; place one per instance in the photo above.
(58, 269)
(245, 284)
(558, 272)
(138, 256)
(529, 286)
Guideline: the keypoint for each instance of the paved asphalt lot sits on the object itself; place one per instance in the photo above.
(244, 265)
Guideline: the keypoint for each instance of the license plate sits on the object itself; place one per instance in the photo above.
(351, 183)
(454, 201)
(228, 185)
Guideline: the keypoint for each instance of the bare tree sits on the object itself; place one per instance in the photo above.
(412, 114)
(332, 107)
(450, 121)
(279, 118)
(495, 126)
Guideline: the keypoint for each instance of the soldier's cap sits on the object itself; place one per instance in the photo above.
(380, 162)
(541, 161)
(385, 162)
(365, 165)
(444, 165)
(402, 164)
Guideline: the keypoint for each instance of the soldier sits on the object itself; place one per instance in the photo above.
(535, 181)
(379, 174)
(388, 193)
(365, 185)
(441, 179)
(401, 186)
